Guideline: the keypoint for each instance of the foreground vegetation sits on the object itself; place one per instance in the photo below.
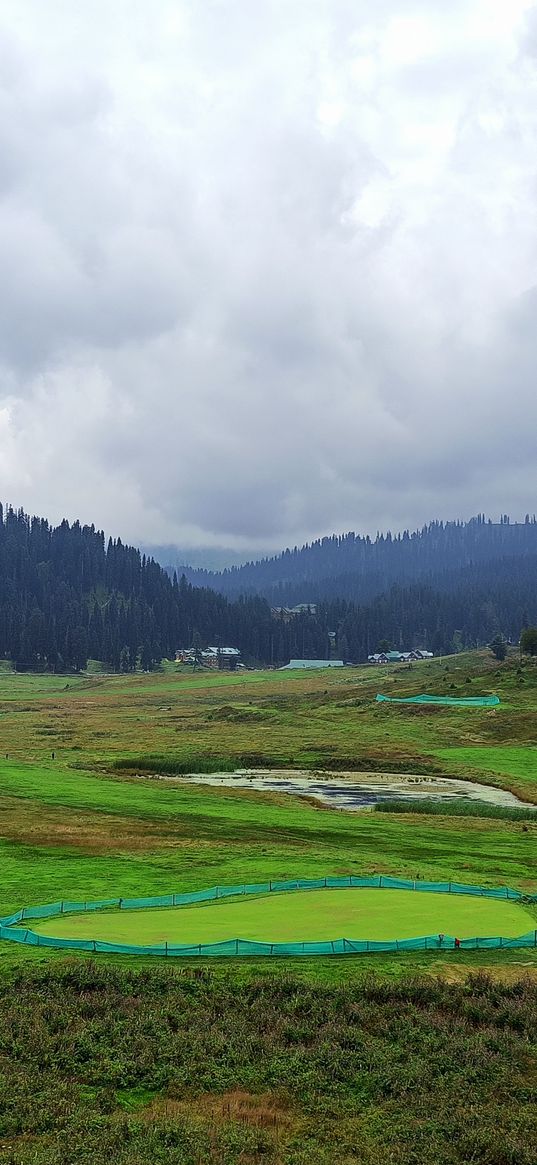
(146, 1068)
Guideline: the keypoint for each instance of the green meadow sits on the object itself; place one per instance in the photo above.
(85, 813)
(320, 719)
(405, 1057)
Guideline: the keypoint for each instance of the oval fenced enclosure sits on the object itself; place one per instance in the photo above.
(443, 701)
(305, 917)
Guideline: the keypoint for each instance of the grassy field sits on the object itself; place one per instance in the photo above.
(81, 835)
(302, 916)
(73, 826)
(398, 1058)
(280, 718)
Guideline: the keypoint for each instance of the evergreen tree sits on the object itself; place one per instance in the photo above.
(498, 646)
(528, 641)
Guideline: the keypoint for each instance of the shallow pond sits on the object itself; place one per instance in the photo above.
(352, 790)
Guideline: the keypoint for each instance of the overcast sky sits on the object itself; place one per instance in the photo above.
(268, 267)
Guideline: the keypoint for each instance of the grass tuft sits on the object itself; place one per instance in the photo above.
(457, 808)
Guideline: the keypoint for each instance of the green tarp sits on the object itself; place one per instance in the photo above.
(15, 930)
(450, 701)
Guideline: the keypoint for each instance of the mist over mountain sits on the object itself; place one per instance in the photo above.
(358, 567)
(212, 559)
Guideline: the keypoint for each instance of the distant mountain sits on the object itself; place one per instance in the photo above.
(67, 594)
(358, 568)
(206, 559)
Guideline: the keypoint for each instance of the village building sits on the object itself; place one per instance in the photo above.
(383, 657)
(219, 658)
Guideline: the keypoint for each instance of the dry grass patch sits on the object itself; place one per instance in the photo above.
(269, 1111)
(93, 833)
(507, 973)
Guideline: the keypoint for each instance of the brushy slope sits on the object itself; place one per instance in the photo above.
(155, 1068)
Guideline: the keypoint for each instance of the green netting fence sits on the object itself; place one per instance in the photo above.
(11, 928)
(448, 701)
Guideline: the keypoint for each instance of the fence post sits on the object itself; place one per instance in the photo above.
(236, 946)
(165, 948)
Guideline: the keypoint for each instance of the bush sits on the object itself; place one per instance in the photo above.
(457, 808)
(152, 1066)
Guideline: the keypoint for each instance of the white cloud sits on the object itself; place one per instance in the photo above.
(267, 268)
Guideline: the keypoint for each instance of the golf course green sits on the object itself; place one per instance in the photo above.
(301, 916)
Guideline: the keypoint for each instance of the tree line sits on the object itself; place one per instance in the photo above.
(68, 595)
(359, 568)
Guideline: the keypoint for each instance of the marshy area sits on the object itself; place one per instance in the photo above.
(356, 791)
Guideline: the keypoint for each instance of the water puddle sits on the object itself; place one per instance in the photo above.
(350, 790)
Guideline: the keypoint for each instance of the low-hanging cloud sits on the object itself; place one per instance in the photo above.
(269, 269)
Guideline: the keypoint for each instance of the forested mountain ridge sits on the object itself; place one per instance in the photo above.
(67, 595)
(359, 567)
